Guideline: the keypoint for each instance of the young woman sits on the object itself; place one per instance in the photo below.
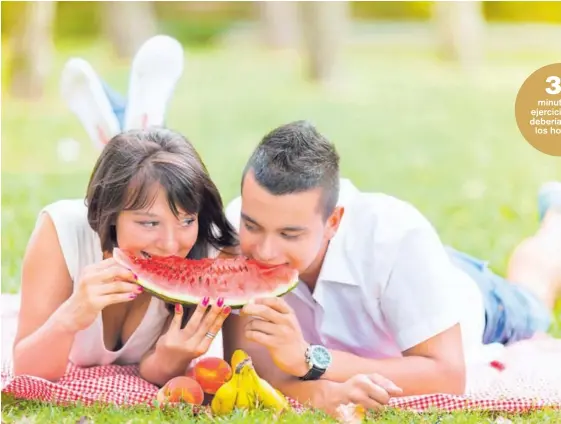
(149, 193)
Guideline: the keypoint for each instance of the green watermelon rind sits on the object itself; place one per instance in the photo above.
(193, 300)
(187, 299)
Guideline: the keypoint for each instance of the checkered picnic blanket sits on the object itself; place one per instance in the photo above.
(121, 385)
(527, 377)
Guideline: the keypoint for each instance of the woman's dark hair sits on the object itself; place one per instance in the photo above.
(124, 176)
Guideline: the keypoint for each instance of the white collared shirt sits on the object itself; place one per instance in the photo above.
(386, 284)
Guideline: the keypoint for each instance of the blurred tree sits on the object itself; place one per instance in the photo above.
(31, 48)
(128, 24)
(279, 23)
(324, 26)
(459, 28)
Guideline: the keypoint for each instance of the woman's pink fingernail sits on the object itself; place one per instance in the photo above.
(132, 295)
(227, 309)
(220, 302)
(205, 301)
(178, 308)
(140, 289)
(135, 276)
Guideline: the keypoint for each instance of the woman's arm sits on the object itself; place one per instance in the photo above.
(45, 334)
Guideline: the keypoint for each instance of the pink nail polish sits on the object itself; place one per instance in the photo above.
(178, 308)
(135, 276)
(140, 289)
(205, 301)
(220, 302)
(227, 309)
(132, 295)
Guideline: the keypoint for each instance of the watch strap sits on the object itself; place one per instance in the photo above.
(314, 373)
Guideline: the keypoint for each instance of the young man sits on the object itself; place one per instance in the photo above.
(379, 294)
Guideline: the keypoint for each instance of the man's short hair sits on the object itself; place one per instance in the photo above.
(294, 158)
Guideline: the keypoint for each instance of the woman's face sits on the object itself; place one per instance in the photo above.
(156, 230)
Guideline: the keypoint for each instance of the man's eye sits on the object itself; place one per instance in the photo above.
(249, 227)
(290, 236)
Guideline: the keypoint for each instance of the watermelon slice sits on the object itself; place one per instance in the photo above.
(188, 281)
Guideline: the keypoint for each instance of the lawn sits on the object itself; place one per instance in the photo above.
(403, 122)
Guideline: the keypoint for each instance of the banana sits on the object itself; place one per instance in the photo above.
(246, 389)
(267, 394)
(225, 397)
(238, 392)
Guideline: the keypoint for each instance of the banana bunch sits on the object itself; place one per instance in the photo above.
(246, 390)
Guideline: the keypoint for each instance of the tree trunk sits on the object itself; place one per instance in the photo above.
(324, 27)
(279, 23)
(459, 28)
(31, 50)
(128, 25)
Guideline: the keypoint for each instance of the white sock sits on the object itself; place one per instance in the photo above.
(82, 90)
(156, 68)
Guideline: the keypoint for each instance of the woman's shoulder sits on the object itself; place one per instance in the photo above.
(72, 208)
(79, 243)
(69, 216)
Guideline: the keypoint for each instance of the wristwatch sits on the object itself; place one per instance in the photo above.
(319, 359)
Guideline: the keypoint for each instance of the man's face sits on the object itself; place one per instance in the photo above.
(287, 229)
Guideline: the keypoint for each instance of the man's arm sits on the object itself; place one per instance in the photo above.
(434, 365)
(369, 390)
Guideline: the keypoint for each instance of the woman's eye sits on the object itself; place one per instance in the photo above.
(149, 224)
(187, 221)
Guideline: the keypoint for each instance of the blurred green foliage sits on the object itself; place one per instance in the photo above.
(201, 23)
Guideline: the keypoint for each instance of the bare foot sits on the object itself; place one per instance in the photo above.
(536, 265)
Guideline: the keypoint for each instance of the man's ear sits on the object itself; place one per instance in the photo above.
(334, 220)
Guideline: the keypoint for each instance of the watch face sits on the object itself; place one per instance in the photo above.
(320, 357)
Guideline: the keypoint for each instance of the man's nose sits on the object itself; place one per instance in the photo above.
(265, 251)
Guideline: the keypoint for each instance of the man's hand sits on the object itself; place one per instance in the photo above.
(275, 326)
(372, 391)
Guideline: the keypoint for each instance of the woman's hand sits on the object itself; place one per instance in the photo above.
(102, 284)
(179, 346)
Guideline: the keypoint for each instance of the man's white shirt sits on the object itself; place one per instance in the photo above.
(386, 284)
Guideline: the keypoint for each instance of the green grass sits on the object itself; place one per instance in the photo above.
(403, 122)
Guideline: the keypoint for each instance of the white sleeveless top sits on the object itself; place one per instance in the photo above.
(81, 247)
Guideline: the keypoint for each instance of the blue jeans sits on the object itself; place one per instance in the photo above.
(512, 313)
(118, 103)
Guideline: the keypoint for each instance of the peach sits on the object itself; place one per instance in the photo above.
(211, 373)
(181, 389)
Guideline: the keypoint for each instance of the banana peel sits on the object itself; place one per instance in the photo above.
(246, 390)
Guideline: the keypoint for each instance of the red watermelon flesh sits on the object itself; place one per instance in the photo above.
(180, 280)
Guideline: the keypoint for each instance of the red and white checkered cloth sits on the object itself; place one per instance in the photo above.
(531, 379)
